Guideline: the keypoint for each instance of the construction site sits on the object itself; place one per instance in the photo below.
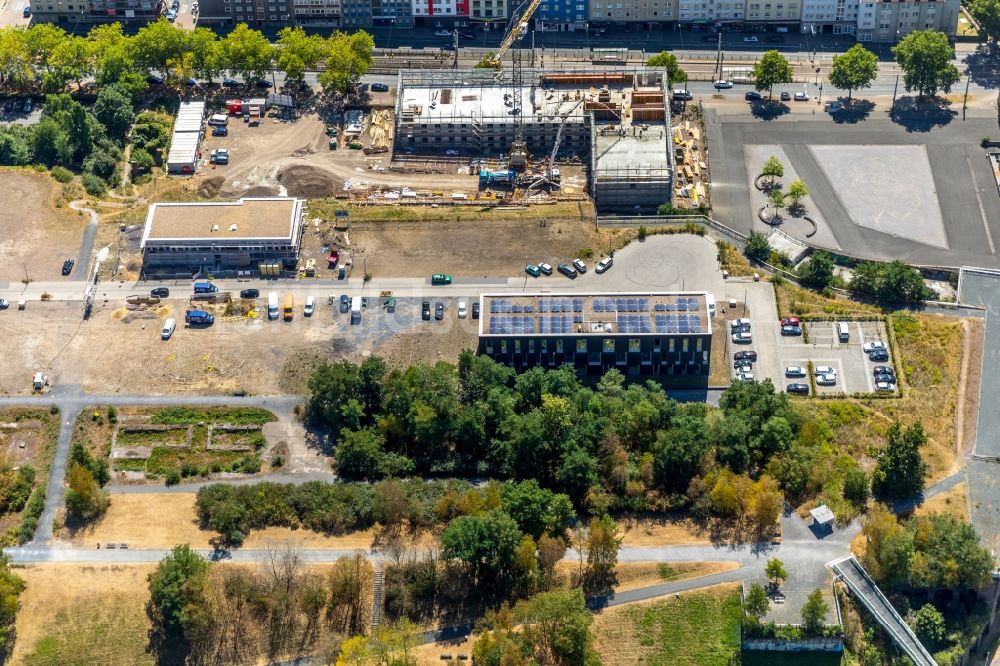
(523, 128)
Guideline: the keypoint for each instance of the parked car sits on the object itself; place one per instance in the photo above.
(567, 270)
(883, 370)
(884, 387)
(790, 321)
(800, 97)
(532, 270)
(440, 278)
(682, 95)
(743, 337)
(220, 130)
(795, 371)
(160, 292)
(749, 355)
(824, 370)
(798, 389)
(475, 310)
(786, 96)
(579, 265)
(722, 83)
(194, 8)
(191, 83)
(885, 377)
(451, 152)
(155, 80)
(171, 15)
(752, 96)
(878, 356)
(250, 293)
(742, 324)
(833, 107)
(169, 326)
(231, 83)
(826, 380)
(463, 309)
(750, 38)
(791, 330)
(869, 347)
(442, 33)
(425, 310)
(604, 264)
(4, 304)
(439, 310)
(744, 377)
(28, 105)
(67, 266)
(380, 87)
(219, 156)
(545, 268)
(741, 362)
(262, 83)
(27, 12)
(310, 306)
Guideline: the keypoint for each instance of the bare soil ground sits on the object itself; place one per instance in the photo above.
(634, 575)
(954, 502)
(659, 531)
(78, 614)
(35, 236)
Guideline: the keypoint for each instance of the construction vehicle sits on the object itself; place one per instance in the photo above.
(504, 177)
(516, 30)
(288, 307)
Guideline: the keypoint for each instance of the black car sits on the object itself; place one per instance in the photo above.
(439, 310)
(791, 330)
(68, 267)
(752, 96)
(425, 310)
(798, 389)
(250, 293)
(786, 97)
(885, 377)
(879, 356)
(380, 87)
(231, 83)
(748, 355)
(262, 83)
(883, 370)
(475, 310)
(161, 292)
(220, 130)
(740, 362)
(345, 303)
(567, 270)
(155, 80)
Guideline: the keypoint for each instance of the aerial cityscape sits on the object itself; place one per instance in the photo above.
(527, 332)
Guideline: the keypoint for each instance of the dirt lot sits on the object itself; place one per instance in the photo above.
(34, 235)
(661, 531)
(256, 356)
(75, 614)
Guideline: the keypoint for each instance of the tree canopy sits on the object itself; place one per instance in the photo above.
(771, 70)
(854, 69)
(176, 590)
(892, 282)
(987, 15)
(900, 469)
(668, 62)
(925, 58)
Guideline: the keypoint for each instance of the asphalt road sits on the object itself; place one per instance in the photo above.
(984, 289)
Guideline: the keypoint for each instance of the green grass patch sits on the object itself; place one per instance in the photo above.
(130, 465)
(231, 415)
(700, 629)
(172, 437)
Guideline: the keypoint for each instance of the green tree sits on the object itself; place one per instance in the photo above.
(42, 39)
(70, 61)
(113, 109)
(770, 70)
(298, 52)
(773, 169)
(361, 454)
(814, 613)
(900, 469)
(536, 510)
(156, 44)
(775, 571)
(777, 200)
(668, 62)
(207, 57)
(797, 191)
(894, 282)
(603, 542)
(177, 591)
(987, 15)
(556, 628)
(856, 487)
(757, 249)
(854, 69)
(348, 58)
(925, 58)
(818, 271)
(11, 587)
(84, 498)
(486, 544)
(15, 58)
(947, 554)
(929, 624)
(755, 603)
(248, 53)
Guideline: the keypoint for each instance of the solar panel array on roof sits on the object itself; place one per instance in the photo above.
(678, 323)
(683, 304)
(621, 305)
(555, 324)
(560, 305)
(634, 324)
(516, 324)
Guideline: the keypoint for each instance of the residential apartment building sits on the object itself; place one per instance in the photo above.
(710, 11)
(492, 13)
(891, 21)
(325, 13)
(565, 15)
(128, 12)
(640, 334)
(775, 13)
(440, 13)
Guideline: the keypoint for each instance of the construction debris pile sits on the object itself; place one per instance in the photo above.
(691, 160)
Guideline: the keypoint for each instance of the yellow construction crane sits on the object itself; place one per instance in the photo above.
(517, 30)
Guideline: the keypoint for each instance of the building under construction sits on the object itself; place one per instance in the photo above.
(615, 122)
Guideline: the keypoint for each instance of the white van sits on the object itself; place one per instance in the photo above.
(168, 328)
(356, 310)
(310, 306)
(710, 299)
(272, 305)
(843, 332)
(218, 120)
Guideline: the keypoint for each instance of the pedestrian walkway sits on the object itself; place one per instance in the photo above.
(864, 589)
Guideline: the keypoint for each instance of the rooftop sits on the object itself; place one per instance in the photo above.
(822, 514)
(263, 218)
(599, 314)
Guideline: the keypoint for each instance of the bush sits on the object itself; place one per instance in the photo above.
(173, 477)
(62, 174)
(94, 185)
(112, 414)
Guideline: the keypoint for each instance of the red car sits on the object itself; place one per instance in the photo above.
(790, 321)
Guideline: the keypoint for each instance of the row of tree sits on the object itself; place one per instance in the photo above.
(924, 56)
(46, 55)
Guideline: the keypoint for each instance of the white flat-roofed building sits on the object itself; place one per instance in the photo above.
(250, 235)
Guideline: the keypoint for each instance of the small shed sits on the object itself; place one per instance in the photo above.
(183, 155)
(822, 517)
(256, 107)
(280, 100)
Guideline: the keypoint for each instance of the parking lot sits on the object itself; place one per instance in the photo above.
(819, 345)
